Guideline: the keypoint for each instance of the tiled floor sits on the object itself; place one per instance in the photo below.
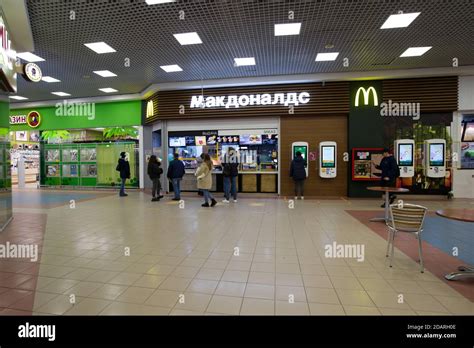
(117, 256)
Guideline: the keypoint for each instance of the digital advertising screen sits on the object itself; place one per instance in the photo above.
(250, 139)
(177, 141)
(436, 155)
(468, 134)
(405, 154)
(190, 141)
(302, 149)
(328, 156)
(200, 140)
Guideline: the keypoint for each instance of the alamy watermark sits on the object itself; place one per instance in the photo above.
(347, 251)
(20, 251)
(76, 109)
(400, 109)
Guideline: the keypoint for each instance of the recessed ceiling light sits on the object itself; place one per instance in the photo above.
(49, 79)
(324, 57)
(188, 38)
(287, 29)
(17, 97)
(30, 57)
(108, 90)
(415, 51)
(401, 20)
(105, 73)
(154, 2)
(244, 61)
(171, 68)
(61, 94)
(100, 47)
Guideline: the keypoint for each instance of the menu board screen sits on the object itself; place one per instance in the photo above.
(328, 156)
(437, 155)
(177, 141)
(405, 154)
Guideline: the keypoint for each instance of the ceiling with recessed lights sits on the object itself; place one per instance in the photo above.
(143, 37)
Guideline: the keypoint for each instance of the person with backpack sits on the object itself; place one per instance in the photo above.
(154, 172)
(204, 180)
(230, 172)
(175, 175)
(298, 173)
(390, 172)
(124, 168)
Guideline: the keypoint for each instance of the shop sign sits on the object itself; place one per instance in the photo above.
(32, 72)
(33, 119)
(149, 109)
(7, 57)
(288, 99)
(366, 94)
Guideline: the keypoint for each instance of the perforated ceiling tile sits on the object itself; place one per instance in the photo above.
(230, 29)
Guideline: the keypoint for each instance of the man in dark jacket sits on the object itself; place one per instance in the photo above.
(390, 172)
(124, 168)
(175, 174)
(154, 172)
(298, 173)
(230, 172)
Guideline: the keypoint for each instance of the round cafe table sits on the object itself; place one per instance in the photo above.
(386, 190)
(464, 215)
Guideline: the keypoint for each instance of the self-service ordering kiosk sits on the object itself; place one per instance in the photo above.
(300, 146)
(405, 155)
(435, 158)
(327, 159)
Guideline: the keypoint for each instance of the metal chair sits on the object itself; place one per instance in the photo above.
(407, 218)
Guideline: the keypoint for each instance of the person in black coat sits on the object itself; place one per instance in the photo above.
(154, 172)
(390, 172)
(175, 174)
(124, 168)
(230, 172)
(298, 173)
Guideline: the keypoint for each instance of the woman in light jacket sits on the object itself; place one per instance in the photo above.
(204, 180)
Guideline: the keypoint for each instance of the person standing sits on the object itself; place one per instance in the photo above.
(175, 175)
(390, 172)
(298, 173)
(204, 180)
(154, 172)
(230, 171)
(124, 168)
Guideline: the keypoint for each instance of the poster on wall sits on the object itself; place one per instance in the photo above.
(364, 162)
(21, 136)
(88, 155)
(52, 170)
(88, 170)
(70, 155)
(34, 136)
(52, 155)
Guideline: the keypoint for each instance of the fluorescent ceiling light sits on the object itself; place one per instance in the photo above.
(154, 2)
(17, 97)
(401, 20)
(415, 51)
(188, 38)
(244, 61)
(287, 29)
(30, 57)
(100, 47)
(61, 94)
(49, 79)
(324, 57)
(171, 68)
(108, 90)
(104, 73)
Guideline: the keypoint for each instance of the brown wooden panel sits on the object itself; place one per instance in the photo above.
(435, 94)
(249, 183)
(268, 182)
(314, 129)
(330, 98)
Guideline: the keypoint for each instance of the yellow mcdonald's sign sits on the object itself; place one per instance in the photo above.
(149, 109)
(366, 94)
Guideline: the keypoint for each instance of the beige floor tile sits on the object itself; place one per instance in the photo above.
(231, 289)
(193, 262)
(79, 274)
(163, 298)
(185, 272)
(286, 259)
(58, 305)
(424, 302)
(83, 289)
(122, 308)
(235, 276)
(193, 302)
(88, 306)
(296, 308)
(326, 309)
(216, 264)
(395, 311)
(319, 295)
(388, 299)
(339, 271)
(239, 266)
(354, 298)
(252, 306)
(203, 286)
(290, 293)
(457, 305)
(259, 258)
(260, 291)
(406, 286)
(210, 274)
(346, 283)
(125, 279)
(102, 276)
(59, 286)
(366, 272)
(376, 284)
(175, 283)
(289, 279)
(313, 269)
(149, 281)
(263, 267)
(161, 270)
(291, 268)
(315, 281)
(135, 295)
(360, 310)
(109, 291)
(262, 278)
(225, 305)
(41, 298)
(438, 289)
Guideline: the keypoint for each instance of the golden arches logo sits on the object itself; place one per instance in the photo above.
(150, 109)
(366, 94)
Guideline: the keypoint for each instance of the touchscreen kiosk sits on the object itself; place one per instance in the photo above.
(300, 146)
(435, 158)
(404, 153)
(327, 159)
